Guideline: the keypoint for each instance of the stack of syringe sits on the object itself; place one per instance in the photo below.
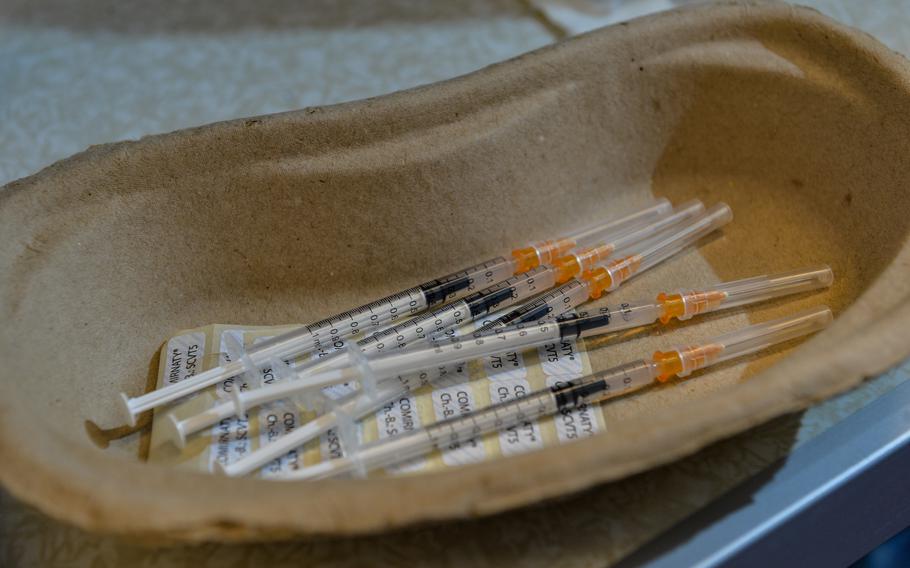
(389, 347)
(595, 388)
(680, 225)
(654, 242)
(590, 270)
(349, 365)
(395, 372)
(376, 315)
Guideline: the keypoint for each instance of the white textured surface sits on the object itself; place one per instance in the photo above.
(65, 86)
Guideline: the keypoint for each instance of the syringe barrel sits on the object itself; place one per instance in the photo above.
(371, 317)
(508, 292)
(332, 331)
(604, 384)
(422, 363)
(459, 430)
(593, 388)
(549, 305)
(451, 433)
(517, 289)
(460, 284)
(683, 360)
(412, 366)
(687, 303)
(356, 407)
(608, 319)
(354, 323)
(471, 347)
(571, 394)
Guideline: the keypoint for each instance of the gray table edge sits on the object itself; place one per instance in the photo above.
(828, 503)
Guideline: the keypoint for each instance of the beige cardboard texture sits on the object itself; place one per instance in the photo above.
(797, 122)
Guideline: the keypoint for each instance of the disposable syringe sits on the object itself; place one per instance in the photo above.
(609, 319)
(551, 304)
(592, 389)
(608, 277)
(562, 299)
(511, 291)
(376, 315)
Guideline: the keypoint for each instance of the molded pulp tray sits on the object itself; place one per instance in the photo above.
(799, 124)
